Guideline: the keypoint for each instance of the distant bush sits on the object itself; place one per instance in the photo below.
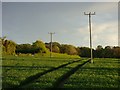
(8, 46)
(36, 47)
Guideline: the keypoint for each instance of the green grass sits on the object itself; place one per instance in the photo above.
(103, 73)
(17, 69)
(53, 55)
(47, 80)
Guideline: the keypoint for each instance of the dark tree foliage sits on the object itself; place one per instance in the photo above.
(100, 52)
(36, 47)
(84, 52)
(108, 52)
(116, 52)
(11, 48)
(26, 48)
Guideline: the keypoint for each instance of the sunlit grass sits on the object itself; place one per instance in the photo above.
(103, 73)
(18, 68)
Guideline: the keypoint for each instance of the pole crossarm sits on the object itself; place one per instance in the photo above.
(89, 14)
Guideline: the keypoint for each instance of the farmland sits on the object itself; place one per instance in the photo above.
(102, 74)
(56, 72)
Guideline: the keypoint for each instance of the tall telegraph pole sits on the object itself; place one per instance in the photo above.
(51, 43)
(89, 14)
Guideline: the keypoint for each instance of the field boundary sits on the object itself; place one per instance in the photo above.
(61, 80)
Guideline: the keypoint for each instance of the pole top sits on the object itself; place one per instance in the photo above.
(51, 32)
(89, 13)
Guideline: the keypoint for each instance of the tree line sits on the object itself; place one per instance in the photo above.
(100, 52)
(11, 48)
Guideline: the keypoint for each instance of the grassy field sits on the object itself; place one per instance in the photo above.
(64, 72)
(17, 69)
(103, 73)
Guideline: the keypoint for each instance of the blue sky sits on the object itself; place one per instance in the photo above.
(26, 22)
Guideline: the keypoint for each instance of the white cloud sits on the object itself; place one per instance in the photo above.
(104, 33)
(108, 27)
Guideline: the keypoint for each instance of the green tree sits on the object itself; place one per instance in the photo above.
(116, 52)
(2, 40)
(99, 51)
(40, 46)
(55, 46)
(9, 47)
(78, 51)
(55, 49)
(84, 52)
(69, 49)
(24, 48)
(108, 52)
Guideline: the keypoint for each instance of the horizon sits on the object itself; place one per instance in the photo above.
(63, 44)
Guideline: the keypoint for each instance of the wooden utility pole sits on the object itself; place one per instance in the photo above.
(89, 14)
(51, 43)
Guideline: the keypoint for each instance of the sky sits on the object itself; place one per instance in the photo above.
(26, 22)
(60, 0)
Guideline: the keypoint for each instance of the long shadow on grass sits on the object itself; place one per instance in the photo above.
(60, 81)
(38, 75)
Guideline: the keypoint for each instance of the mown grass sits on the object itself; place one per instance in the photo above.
(17, 68)
(47, 80)
(103, 73)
